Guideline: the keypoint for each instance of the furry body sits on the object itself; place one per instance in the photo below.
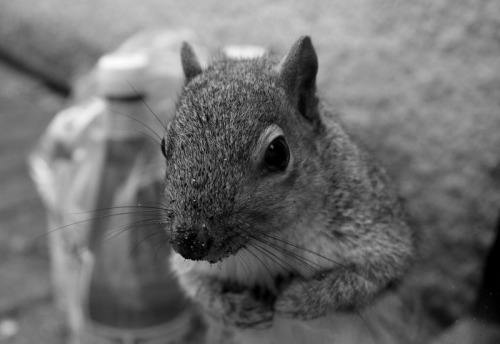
(275, 245)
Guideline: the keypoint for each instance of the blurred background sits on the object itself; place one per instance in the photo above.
(418, 82)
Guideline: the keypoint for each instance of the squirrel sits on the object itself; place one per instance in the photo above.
(272, 209)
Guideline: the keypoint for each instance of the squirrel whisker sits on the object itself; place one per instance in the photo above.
(277, 260)
(76, 223)
(305, 249)
(302, 260)
(260, 260)
(140, 122)
(133, 225)
(245, 263)
(164, 125)
(147, 238)
(164, 243)
(124, 207)
(298, 258)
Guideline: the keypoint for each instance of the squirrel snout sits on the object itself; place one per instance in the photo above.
(192, 243)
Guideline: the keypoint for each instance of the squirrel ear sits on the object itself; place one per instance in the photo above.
(297, 72)
(189, 61)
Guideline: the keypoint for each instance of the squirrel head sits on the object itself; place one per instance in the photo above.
(242, 151)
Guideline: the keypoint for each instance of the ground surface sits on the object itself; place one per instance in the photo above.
(418, 82)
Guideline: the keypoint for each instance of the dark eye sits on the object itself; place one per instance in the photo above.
(277, 155)
(163, 149)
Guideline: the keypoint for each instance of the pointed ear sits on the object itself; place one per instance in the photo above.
(190, 64)
(297, 73)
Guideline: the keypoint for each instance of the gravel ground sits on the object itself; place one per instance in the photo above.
(418, 82)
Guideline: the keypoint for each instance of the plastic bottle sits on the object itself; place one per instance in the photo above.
(98, 168)
(131, 291)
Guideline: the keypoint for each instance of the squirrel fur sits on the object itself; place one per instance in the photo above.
(272, 208)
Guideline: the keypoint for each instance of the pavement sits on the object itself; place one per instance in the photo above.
(417, 82)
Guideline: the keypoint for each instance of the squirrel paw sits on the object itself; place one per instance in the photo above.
(301, 300)
(241, 309)
(244, 310)
(332, 291)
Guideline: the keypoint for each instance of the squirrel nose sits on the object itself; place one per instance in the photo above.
(192, 243)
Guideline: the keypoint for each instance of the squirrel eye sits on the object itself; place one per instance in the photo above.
(163, 148)
(277, 155)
